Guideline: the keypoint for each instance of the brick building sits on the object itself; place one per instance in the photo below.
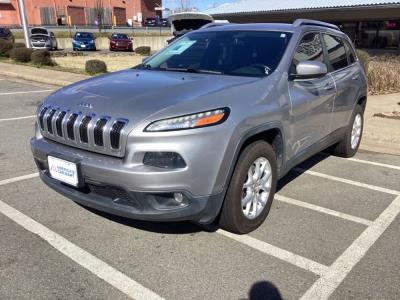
(78, 12)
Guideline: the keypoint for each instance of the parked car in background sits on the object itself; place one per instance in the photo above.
(41, 38)
(6, 34)
(203, 129)
(150, 22)
(165, 22)
(120, 42)
(84, 41)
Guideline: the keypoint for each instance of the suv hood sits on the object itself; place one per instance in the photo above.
(142, 94)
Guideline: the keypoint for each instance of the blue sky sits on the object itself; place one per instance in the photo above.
(201, 4)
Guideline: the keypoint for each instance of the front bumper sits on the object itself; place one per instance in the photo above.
(114, 186)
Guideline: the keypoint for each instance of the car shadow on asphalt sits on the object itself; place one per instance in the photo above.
(306, 165)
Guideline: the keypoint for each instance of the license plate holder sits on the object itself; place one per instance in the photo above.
(64, 170)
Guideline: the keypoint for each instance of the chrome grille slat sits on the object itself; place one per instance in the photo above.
(49, 120)
(101, 134)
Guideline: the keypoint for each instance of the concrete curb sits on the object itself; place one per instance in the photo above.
(51, 81)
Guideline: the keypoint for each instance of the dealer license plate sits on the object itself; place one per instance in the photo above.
(63, 170)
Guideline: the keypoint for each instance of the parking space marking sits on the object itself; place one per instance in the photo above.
(96, 266)
(18, 118)
(284, 255)
(323, 210)
(19, 178)
(27, 92)
(348, 181)
(338, 271)
(374, 163)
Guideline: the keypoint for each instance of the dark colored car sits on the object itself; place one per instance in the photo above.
(120, 42)
(165, 23)
(150, 22)
(84, 41)
(6, 34)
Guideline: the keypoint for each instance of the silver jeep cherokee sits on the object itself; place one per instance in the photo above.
(203, 129)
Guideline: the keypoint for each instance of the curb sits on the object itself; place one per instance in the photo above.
(51, 81)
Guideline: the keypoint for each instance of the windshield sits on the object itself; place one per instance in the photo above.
(236, 53)
(84, 35)
(119, 36)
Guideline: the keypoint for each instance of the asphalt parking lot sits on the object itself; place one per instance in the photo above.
(333, 231)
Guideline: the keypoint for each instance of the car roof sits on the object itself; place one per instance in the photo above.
(268, 27)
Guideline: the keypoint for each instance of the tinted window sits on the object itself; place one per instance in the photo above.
(350, 52)
(336, 52)
(84, 35)
(309, 48)
(39, 31)
(119, 36)
(239, 53)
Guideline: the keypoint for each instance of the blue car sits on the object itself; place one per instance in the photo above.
(84, 41)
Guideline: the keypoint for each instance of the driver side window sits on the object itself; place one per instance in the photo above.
(309, 48)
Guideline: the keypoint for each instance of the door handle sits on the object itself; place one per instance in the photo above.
(355, 77)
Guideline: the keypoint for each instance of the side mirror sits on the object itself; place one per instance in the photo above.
(310, 69)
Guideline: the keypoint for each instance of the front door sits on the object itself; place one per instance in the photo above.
(312, 100)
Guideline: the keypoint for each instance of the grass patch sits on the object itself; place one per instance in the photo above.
(383, 74)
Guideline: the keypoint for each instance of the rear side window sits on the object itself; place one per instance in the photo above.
(350, 52)
(336, 52)
(309, 48)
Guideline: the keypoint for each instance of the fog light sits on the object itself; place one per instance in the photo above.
(166, 160)
(178, 197)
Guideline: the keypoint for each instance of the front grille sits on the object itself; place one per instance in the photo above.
(70, 126)
(83, 129)
(115, 133)
(116, 194)
(59, 120)
(98, 132)
(106, 135)
(49, 121)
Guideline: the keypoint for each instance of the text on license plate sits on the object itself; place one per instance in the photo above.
(63, 170)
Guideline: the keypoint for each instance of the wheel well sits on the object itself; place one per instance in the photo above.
(272, 137)
(362, 102)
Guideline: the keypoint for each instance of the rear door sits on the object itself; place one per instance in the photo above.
(311, 99)
(345, 72)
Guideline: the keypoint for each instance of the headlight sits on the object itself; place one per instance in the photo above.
(202, 119)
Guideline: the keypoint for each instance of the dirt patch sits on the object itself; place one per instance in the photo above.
(393, 115)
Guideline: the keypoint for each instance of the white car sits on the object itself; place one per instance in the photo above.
(41, 38)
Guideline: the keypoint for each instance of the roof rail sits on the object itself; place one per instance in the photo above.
(303, 22)
(215, 24)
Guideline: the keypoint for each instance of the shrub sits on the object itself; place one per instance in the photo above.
(5, 47)
(95, 66)
(364, 57)
(41, 57)
(21, 54)
(19, 45)
(143, 50)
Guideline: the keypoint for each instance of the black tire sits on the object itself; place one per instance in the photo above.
(343, 148)
(232, 217)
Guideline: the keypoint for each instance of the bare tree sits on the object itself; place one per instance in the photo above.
(99, 11)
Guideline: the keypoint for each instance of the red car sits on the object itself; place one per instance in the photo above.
(120, 42)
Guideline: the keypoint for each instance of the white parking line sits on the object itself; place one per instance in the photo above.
(96, 266)
(16, 179)
(289, 257)
(25, 92)
(323, 210)
(348, 181)
(18, 118)
(374, 163)
(338, 271)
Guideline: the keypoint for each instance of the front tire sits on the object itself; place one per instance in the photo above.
(251, 190)
(350, 143)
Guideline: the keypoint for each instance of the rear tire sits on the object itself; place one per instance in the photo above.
(348, 146)
(236, 216)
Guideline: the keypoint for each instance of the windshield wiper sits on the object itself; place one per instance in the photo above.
(193, 70)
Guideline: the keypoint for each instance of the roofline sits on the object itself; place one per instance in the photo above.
(300, 10)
